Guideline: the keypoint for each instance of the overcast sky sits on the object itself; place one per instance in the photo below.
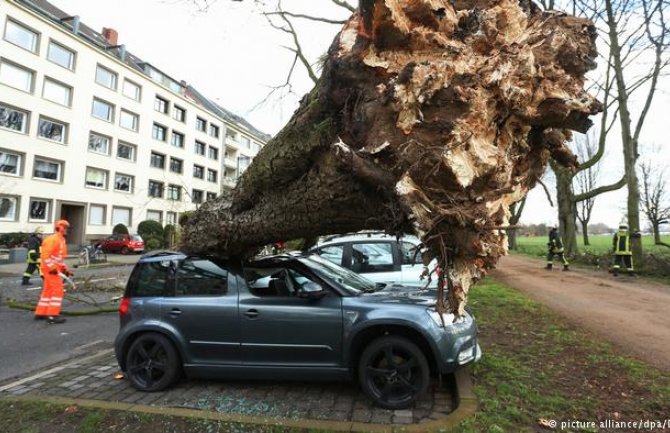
(231, 55)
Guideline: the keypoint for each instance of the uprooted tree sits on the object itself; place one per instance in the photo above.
(430, 116)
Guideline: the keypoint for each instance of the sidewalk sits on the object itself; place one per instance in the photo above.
(336, 406)
(7, 270)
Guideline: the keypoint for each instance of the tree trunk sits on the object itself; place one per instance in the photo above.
(655, 226)
(567, 211)
(430, 116)
(585, 233)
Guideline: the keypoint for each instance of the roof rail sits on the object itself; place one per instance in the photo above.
(369, 233)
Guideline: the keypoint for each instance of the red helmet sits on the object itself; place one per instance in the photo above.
(62, 225)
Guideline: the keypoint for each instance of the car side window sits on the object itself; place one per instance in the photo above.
(409, 253)
(372, 257)
(332, 253)
(201, 277)
(153, 278)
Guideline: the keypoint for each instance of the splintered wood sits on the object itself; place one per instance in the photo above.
(430, 116)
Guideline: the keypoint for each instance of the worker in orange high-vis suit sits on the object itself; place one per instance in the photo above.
(52, 262)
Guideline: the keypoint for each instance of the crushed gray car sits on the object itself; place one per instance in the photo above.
(284, 317)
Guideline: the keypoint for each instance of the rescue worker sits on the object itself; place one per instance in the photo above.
(555, 248)
(33, 259)
(53, 253)
(622, 252)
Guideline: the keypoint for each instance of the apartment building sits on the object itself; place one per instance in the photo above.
(91, 133)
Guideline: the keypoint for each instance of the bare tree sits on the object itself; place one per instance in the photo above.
(654, 198)
(586, 180)
(637, 37)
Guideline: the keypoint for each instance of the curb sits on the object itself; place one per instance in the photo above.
(466, 407)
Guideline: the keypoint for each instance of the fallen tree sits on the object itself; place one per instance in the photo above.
(430, 116)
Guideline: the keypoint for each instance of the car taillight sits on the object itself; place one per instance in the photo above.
(124, 307)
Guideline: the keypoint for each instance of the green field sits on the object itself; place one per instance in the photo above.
(599, 245)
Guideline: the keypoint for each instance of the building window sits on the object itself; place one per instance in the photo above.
(198, 172)
(232, 135)
(157, 160)
(61, 55)
(9, 207)
(105, 77)
(129, 120)
(177, 139)
(57, 92)
(126, 151)
(10, 163)
(159, 132)
(211, 196)
(16, 76)
(214, 131)
(132, 90)
(13, 119)
(123, 182)
(102, 110)
(121, 215)
(22, 36)
(171, 218)
(47, 169)
(246, 142)
(211, 175)
(196, 196)
(200, 124)
(99, 143)
(39, 210)
(161, 105)
(200, 148)
(155, 215)
(176, 165)
(96, 215)
(174, 192)
(96, 178)
(52, 130)
(155, 189)
(213, 153)
(178, 113)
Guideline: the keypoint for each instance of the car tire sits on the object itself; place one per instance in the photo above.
(393, 372)
(125, 250)
(152, 363)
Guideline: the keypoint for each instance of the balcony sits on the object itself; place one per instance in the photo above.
(229, 182)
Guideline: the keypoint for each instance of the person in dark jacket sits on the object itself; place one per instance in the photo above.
(555, 248)
(622, 252)
(33, 259)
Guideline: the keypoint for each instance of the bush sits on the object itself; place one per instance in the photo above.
(153, 243)
(150, 229)
(169, 235)
(183, 218)
(13, 240)
(120, 229)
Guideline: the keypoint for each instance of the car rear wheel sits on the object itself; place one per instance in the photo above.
(393, 372)
(152, 363)
(125, 250)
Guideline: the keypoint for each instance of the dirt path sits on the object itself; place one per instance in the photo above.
(630, 312)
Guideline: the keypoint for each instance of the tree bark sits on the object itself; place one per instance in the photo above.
(430, 116)
(567, 211)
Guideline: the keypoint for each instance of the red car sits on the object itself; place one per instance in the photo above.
(124, 244)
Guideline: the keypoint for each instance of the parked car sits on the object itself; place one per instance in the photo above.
(124, 244)
(379, 257)
(283, 317)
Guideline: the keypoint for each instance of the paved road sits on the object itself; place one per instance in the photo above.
(27, 345)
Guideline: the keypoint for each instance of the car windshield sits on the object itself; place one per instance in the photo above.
(137, 238)
(337, 275)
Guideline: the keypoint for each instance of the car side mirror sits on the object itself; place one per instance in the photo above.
(311, 290)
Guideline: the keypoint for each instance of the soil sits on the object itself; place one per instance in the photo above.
(630, 312)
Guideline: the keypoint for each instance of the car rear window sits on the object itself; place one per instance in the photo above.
(137, 238)
(152, 279)
(201, 277)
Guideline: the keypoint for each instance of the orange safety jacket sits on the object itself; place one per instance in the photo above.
(52, 257)
(53, 253)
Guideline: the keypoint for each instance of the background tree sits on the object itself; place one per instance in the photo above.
(654, 198)
(586, 180)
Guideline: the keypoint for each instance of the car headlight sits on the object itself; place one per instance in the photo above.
(448, 321)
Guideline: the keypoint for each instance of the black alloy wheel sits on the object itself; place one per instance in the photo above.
(394, 372)
(152, 363)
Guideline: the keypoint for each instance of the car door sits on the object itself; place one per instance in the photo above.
(203, 311)
(280, 329)
(375, 260)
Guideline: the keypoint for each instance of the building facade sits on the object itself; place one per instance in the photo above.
(95, 135)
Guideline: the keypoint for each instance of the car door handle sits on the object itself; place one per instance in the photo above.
(252, 314)
(175, 312)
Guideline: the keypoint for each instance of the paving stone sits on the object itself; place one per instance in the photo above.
(402, 419)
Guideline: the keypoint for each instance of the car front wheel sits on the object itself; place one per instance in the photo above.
(393, 372)
(152, 363)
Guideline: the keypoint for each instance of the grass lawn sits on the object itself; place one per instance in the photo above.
(535, 366)
(599, 245)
